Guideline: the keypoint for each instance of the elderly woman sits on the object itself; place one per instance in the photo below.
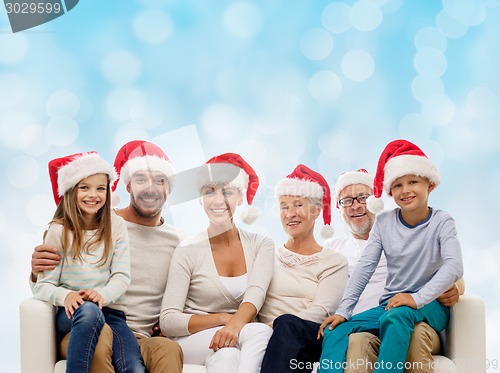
(308, 280)
(218, 279)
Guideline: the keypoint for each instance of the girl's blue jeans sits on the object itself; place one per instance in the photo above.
(394, 327)
(85, 326)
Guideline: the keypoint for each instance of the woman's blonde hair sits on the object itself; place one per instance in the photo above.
(68, 214)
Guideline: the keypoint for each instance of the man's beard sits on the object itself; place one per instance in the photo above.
(359, 229)
(145, 212)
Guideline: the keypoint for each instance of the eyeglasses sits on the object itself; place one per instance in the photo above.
(346, 202)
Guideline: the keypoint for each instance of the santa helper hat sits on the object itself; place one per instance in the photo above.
(245, 179)
(360, 176)
(399, 158)
(66, 172)
(140, 155)
(304, 182)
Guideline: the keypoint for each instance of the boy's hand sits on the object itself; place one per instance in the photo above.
(401, 299)
(92, 295)
(72, 301)
(44, 258)
(333, 320)
(449, 297)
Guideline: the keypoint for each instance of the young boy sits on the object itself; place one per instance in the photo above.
(423, 257)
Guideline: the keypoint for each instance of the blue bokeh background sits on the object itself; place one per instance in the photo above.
(325, 83)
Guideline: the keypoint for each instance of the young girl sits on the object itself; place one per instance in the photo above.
(94, 272)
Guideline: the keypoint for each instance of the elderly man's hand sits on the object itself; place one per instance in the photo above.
(449, 297)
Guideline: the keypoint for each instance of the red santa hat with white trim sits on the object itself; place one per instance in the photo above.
(400, 158)
(140, 155)
(360, 176)
(66, 172)
(304, 182)
(239, 175)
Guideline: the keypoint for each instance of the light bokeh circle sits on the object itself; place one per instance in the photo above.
(120, 103)
(121, 66)
(316, 44)
(467, 12)
(23, 171)
(15, 48)
(450, 26)
(243, 19)
(357, 65)
(153, 26)
(325, 86)
(33, 142)
(430, 62)
(424, 86)
(438, 109)
(365, 15)
(482, 102)
(335, 17)
(415, 127)
(63, 103)
(62, 131)
(430, 37)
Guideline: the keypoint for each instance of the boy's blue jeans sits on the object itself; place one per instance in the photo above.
(85, 327)
(394, 327)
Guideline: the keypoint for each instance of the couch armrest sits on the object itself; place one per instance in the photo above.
(38, 336)
(466, 335)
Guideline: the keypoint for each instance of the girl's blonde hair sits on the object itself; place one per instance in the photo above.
(68, 214)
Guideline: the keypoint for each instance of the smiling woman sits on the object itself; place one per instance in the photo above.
(220, 202)
(308, 280)
(218, 279)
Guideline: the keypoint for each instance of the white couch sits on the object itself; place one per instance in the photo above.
(464, 350)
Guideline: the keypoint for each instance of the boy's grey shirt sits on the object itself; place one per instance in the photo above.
(424, 260)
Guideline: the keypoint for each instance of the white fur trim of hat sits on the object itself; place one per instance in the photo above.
(298, 187)
(212, 175)
(148, 163)
(352, 178)
(409, 165)
(80, 168)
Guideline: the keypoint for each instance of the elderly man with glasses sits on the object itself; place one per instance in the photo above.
(351, 192)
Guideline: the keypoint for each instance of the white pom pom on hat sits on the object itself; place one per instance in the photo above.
(374, 205)
(250, 215)
(326, 231)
